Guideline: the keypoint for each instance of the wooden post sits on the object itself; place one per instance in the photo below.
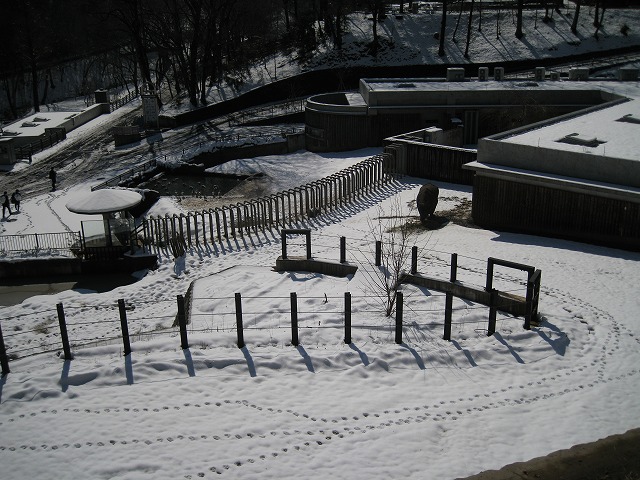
(182, 322)
(347, 317)
(125, 327)
(533, 292)
(454, 268)
(414, 260)
(284, 246)
(448, 311)
(343, 249)
(493, 310)
(63, 333)
(378, 253)
(308, 237)
(399, 318)
(4, 360)
(294, 319)
(489, 285)
(239, 320)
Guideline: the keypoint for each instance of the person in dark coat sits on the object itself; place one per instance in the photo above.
(52, 177)
(5, 204)
(16, 197)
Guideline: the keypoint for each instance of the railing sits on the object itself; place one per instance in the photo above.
(38, 243)
(126, 175)
(268, 111)
(26, 151)
(122, 100)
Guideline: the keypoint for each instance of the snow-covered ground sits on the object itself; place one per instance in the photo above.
(373, 409)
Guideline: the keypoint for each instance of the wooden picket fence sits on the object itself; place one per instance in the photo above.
(284, 209)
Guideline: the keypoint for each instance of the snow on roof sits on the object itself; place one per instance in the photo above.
(600, 132)
(104, 201)
(34, 126)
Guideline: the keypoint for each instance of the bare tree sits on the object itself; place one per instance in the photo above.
(455, 30)
(443, 28)
(466, 49)
(520, 5)
(395, 232)
(574, 24)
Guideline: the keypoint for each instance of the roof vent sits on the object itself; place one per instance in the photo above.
(629, 118)
(577, 139)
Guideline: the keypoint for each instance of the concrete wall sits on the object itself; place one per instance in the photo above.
(40, 267)
(295, 264)
(94, 111)
(556, 211)
(587, 166)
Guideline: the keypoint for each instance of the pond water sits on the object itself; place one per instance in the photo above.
(192, 185)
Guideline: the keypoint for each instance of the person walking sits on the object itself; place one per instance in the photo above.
(52, 177)
(5, 204)
(15, 199)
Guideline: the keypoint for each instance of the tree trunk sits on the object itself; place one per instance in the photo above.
(574, 25)
(455, 30)
(443, 27)
(519, 33)
(466, 50)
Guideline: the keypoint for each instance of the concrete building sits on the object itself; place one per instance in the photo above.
(548, 157)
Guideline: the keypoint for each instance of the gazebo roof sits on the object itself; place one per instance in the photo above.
(105, 201)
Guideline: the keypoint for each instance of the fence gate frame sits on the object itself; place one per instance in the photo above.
(296, 231)
(533, 286)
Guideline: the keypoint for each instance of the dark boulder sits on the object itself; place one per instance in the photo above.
(427, 200)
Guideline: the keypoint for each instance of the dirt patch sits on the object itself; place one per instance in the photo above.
(612, 458)
(460, 214)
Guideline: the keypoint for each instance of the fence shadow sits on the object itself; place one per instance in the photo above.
(3, 380)
(307, 359)
(415, 354)
(498, 337)
(64, 375)
(466, 352)
(363, 356)
(249, 359)
(189, 362)
(128, 369)
(560, 344)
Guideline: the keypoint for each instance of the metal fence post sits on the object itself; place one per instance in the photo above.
(182, 322)
(378, 253)
(343, 249)
(414, 260)
(347, 317)
(4, 360)
(454, 268)
(63, 333)
(294, 319)
(448, 310)
(125, 327)
(493, 310)
(239, 320)
(399, 317)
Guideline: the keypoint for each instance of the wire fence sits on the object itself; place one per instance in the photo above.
(240, 320)
(443, 310)
(38, 244)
